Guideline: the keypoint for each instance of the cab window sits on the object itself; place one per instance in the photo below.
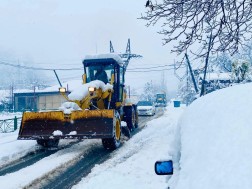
(99, 72)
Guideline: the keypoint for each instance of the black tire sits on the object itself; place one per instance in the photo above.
(114, 143)
(126, 132)
(132, 120)
(136, 114)
(48, 143)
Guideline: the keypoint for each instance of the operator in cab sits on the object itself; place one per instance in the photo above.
(101, 75)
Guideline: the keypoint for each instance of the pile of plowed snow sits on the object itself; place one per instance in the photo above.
(216, 141)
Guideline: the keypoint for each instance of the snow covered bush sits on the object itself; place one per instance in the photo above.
(241, 70)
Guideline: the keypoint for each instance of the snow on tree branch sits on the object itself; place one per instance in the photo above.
(192, 21)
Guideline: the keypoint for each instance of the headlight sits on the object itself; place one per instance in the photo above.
(62, 89)
(91, 89)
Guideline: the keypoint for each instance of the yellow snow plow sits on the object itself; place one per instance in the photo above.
(95, 110)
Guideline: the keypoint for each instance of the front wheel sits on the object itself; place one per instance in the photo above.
(114, 143)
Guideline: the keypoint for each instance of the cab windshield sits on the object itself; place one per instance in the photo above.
(99, 72)
(160, 95)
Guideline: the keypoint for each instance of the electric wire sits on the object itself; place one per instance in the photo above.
(149, 67)
(36, 68)
(143, 69)
(151, 70)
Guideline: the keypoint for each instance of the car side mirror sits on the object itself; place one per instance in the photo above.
(164, 167)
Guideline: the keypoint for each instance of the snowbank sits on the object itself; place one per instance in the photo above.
(12, 149)
(216, 141)
(132, 165)
(82, 91)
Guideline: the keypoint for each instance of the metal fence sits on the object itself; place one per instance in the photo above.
(9, 125)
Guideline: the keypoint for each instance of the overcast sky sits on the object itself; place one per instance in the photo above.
(53, 33)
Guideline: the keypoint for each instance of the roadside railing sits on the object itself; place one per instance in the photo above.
(9, 125)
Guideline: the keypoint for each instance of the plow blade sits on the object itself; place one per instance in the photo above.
(57, 125)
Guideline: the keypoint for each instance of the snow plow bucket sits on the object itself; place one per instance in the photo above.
(57, 125)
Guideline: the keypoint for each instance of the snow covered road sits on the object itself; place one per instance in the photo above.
(132, 166)
(133, 162)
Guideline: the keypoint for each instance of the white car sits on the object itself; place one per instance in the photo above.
(146, 108)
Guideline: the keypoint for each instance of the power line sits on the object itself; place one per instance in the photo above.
(151, 70)
(139, 69)
(143, 69)
(34, 68)
(149, 67)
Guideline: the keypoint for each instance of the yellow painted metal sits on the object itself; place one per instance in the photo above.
(59, 116)
(111, 83)
(112, 79)
(118, 104)
(117, 129)
(54, 115)
(92, 114)
(107, 93)
(84, 78)
(100, 104)
(124, 95)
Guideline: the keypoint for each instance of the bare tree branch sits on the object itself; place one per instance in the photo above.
(191, 21)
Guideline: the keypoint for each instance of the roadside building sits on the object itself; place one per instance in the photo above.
(215, 81)
(40, 100)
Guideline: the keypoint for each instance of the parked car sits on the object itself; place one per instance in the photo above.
(146, 108)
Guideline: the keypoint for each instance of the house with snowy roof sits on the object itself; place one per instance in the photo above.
(214, 81)
(42, 99)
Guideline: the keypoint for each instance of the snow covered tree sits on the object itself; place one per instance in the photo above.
(241, 70)
(246, 52)
(149, 92)
(20, 78)
(221, 63)
(188, 22)
(186, 91)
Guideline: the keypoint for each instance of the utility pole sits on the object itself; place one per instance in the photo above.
(206, 64)
(163, 81)
(125, 56)
(57, 77)
(111, 49)
(11, 100)
(187, 85)
(191, 72)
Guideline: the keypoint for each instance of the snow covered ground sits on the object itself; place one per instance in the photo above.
(210, 146)
(216, 141)
(6, 115)
(132, 165)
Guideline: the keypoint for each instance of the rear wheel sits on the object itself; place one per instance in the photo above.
(132, 122)
(114, 143)
(48, 143)
(136, 115)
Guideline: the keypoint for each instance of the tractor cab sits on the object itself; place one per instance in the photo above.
(106, 69)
